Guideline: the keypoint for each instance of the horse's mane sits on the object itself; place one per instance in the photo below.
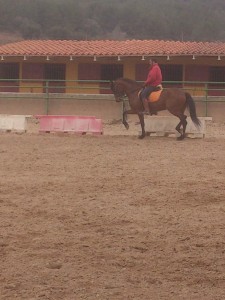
(129, 81)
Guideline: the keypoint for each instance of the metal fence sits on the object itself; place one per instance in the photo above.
(202, 92)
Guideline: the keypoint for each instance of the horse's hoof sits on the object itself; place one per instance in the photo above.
(126, 126)
(141, 136)
(180, 138)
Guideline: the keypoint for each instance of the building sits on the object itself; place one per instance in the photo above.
(67, 66)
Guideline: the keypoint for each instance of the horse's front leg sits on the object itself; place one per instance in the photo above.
(125, 113)
(142, 122)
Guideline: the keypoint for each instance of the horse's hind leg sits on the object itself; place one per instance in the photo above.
(178, 128)
(182, 123)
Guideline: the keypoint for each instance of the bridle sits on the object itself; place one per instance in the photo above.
(121, 95)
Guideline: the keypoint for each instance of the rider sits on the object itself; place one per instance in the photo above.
(154, 79)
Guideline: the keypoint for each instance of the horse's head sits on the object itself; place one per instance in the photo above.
(118, 90)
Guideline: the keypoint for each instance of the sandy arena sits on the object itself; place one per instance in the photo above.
(112, 217)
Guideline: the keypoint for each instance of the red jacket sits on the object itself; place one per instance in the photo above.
(154, 76)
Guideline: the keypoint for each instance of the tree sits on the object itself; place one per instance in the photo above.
(121, 19)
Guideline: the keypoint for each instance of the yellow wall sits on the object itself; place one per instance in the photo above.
(195, 90)
(28, 86)
(72, 86)
(31, 87)
(129, 71)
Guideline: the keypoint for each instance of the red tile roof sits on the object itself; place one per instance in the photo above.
(111, 48)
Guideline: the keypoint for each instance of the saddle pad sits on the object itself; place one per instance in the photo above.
(154, 96)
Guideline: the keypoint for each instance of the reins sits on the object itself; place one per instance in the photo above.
(125, 95)
(137, 89)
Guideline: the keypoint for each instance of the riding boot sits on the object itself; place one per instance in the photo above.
(146, 107)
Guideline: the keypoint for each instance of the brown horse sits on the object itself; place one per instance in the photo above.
(174, 100)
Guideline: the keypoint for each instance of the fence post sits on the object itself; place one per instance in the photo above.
(123, 110)
(206, 100)
(47, 97)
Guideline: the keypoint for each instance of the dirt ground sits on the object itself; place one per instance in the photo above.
(112, 217)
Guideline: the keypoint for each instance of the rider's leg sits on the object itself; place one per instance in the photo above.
(145, 95)
(146, 106)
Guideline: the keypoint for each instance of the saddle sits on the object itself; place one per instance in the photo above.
(154, 96)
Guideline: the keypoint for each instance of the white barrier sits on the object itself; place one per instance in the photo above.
(13, 123)
(165, 125)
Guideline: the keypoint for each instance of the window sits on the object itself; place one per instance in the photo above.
(172, 72)
(99, 71)
(9, 71)
(55, 72)
(111, 72)
(217, 74)
(169, 72)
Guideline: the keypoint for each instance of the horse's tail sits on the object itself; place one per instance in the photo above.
(190, 104)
